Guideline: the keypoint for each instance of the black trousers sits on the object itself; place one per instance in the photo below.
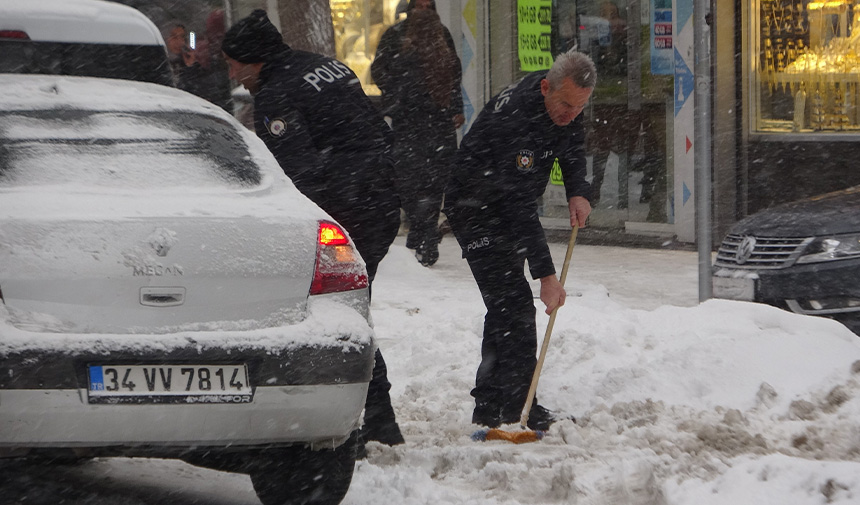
(424, 150)
(510, 333)
(372, 238)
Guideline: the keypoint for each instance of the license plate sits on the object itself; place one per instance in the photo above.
(169, 384)
(734, 288)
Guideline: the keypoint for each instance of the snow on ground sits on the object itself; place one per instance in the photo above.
(677, 403)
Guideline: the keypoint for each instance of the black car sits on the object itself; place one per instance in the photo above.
(802, 256)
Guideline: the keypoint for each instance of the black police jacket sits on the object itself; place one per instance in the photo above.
(325, 133)
(504, 165)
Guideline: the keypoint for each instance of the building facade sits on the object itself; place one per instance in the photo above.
(786, 120)
(633, 114)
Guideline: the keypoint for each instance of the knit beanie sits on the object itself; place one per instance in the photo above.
(253, 39)
(412, 5)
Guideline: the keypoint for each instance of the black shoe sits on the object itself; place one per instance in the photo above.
(384, 433)
(488, 415)
(540, 418)
(427, 253)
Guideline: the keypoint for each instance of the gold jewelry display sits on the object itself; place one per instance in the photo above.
(811, 52)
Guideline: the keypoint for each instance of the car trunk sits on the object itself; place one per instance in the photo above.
(145, 275)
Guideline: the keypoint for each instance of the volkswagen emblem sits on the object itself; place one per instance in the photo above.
(745, 250)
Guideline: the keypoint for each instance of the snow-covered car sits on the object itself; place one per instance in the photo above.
(802, 256)
(166, 291)
(91, 38)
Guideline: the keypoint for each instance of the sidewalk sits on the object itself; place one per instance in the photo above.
(603, 236)
(638, 276)
(598, 236)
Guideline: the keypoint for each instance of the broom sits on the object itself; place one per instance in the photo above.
(525, 435)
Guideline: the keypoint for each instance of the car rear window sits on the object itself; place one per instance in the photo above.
(136, 63)
(153, 150)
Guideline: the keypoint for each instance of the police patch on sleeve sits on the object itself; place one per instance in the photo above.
(276, 127)
(525, 161)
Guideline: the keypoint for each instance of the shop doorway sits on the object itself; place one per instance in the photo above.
(630, 114)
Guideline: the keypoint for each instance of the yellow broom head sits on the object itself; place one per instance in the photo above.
(517, 437)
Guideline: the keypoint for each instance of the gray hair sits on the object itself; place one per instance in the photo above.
(575, 66)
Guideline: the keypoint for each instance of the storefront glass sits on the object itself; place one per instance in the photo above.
(627, 118)
(806, 66)
(358, 26)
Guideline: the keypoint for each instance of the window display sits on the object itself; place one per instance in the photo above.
(807, 67)
(358, 25)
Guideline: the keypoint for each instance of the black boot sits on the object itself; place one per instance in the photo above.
(387, 433)
(540, 418)
(427, 253)
(380, 423)
(487, 414)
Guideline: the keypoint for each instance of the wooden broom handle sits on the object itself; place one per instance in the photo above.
(545, 345)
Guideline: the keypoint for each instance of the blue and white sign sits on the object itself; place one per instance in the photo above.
(685, 123)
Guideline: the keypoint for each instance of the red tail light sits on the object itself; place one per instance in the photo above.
(331, 234)
(338, 267)
(14, 34)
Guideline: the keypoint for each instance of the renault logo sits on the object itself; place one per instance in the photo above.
(745, 250)
(162, 240)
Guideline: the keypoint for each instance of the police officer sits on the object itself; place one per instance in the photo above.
(503, 166)
(330, 140)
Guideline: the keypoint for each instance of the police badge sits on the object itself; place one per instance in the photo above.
(525, 161)
(276, 127)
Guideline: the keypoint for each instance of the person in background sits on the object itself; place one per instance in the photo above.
(417, 69)
(183, 60)
(331, 141)
(612, 59)
(610, 127)
(503, 166)
(214, 82)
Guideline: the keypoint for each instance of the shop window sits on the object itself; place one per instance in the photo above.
(626, 117)
(805, 66)
(358, 26)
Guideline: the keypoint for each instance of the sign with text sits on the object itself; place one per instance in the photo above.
(534, 34)
(555, 176)
(662, 52)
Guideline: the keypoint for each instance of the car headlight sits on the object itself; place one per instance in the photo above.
(831, 248)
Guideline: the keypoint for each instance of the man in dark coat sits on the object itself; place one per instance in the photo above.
(417, 69)
(183, 60)
(214, 85)
(331, 141)
(503, 166)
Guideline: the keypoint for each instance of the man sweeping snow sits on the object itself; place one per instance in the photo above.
(503, 166)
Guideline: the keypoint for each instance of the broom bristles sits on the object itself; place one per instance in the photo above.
(517, 437)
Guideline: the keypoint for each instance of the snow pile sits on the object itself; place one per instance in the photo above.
(719, 403)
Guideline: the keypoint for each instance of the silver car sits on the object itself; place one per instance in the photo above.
(166, 291)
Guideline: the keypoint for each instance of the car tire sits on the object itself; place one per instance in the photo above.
(302, 476)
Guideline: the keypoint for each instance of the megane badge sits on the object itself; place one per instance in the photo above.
(745, 250)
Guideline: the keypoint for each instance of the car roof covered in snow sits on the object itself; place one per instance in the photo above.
(79, 21)
(41, 92)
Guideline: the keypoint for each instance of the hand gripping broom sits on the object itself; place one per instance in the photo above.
(525, 435)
